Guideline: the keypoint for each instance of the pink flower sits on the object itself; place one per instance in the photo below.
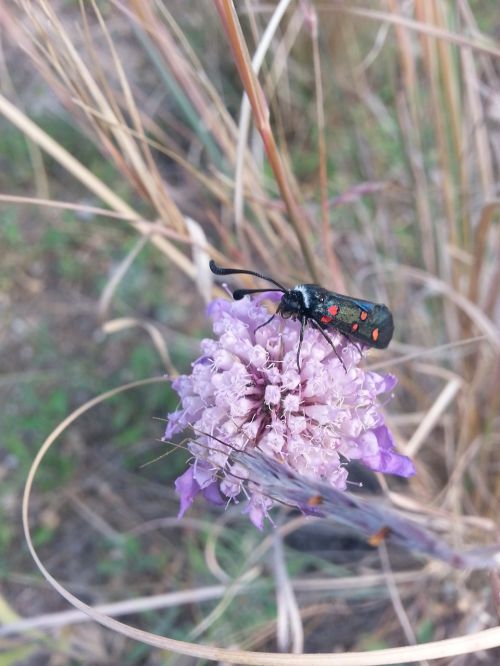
(245, 392)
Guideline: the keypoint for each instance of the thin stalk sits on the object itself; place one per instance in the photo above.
(260, 110)
(328, 245)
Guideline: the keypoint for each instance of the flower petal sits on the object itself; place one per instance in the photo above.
(187, 488)
(213, 494)
(385, 459)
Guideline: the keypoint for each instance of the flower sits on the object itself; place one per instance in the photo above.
(246, 393)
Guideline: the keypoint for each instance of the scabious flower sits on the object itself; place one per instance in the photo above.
(246, 393)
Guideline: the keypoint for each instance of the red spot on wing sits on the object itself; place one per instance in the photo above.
(325, 319)
(354, 327)
(363, 315)
(333, 310)
(375, 334)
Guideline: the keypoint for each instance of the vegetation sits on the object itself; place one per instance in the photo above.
(366, 158)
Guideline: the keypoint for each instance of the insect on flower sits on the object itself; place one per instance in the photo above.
(244, 393)
(358, 320)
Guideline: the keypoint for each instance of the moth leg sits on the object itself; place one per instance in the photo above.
(264, 324)
(353, 342)
(301, 338)
(329, 340)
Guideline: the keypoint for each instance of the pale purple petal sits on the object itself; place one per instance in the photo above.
(213, 494)
(383, 457)
(380, 383)
(187, 489)
(256, 515)
(257, 509)
(175, 424)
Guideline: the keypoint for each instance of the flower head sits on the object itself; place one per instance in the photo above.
(245, 392)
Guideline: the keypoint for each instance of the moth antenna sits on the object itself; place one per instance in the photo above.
(238, 294)
(217, 270)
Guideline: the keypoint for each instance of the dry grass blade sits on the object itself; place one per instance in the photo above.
(117, 277)
(138, 155)
(261, 116)
(210, 114)
(480, 244)
(245, 111)
(421, 27)
(41, 138)
(440, 404)
(450, 647)
(115, 325)
(88, 179)
(147, 604)
(231, 591)
(289, 629)
(474, 312)
(395, 596)
(328, 246)
(66, 205)
(201, 258)
(13, 625)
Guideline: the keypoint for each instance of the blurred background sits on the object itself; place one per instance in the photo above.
(128, 158)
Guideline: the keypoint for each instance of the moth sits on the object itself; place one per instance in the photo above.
(358, 320)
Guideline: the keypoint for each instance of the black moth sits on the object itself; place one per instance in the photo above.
(361, 321)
